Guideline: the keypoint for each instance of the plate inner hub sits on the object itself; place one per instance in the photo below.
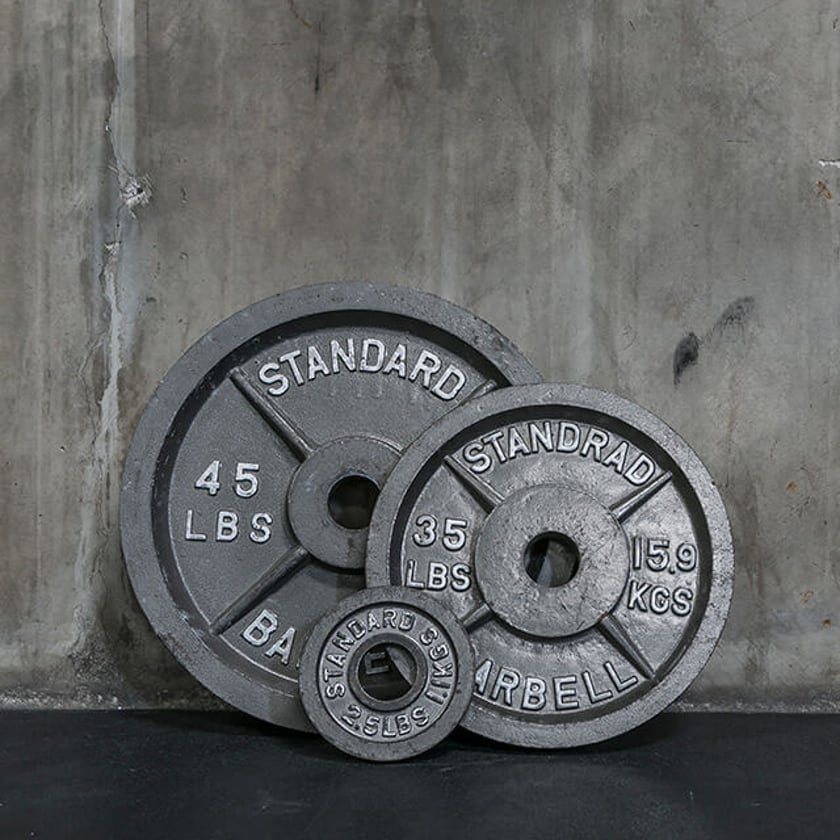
(331, 497)
(551, 561)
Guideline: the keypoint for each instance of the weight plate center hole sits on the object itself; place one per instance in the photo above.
(351, 501)
(552, 559)
(387, 672)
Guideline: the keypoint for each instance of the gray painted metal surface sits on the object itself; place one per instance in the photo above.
(625, 628)
(387, 674)
(599, 180)
(235, 539)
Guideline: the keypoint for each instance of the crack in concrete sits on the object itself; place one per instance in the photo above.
(98, 538)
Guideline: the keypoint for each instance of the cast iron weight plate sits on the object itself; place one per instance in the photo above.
(581, 543)
(387, 674)
(252, 472)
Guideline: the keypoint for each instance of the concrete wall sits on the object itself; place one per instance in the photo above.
(643, 195)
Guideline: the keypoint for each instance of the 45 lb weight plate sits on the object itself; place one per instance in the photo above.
(250, 480)
(582, 544)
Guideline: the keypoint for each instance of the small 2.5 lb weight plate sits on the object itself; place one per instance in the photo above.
(250, 480)
(581, 543)
(387, 674)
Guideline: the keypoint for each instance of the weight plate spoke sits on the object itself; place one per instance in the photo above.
(251, 477)
(581, 543)
(484, 494)
(276, 419)
(621, 510)
(258, 590)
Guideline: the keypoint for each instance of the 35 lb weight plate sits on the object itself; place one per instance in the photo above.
(387, 674)
(251, 476)
(582, 544)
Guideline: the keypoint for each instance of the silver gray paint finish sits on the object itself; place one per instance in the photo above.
(226, 529)
(620, 638)
(394, 626)
(601, 181)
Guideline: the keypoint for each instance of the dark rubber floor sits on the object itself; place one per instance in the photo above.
(205, 775)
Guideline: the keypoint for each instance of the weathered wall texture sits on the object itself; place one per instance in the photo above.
(643, 195)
